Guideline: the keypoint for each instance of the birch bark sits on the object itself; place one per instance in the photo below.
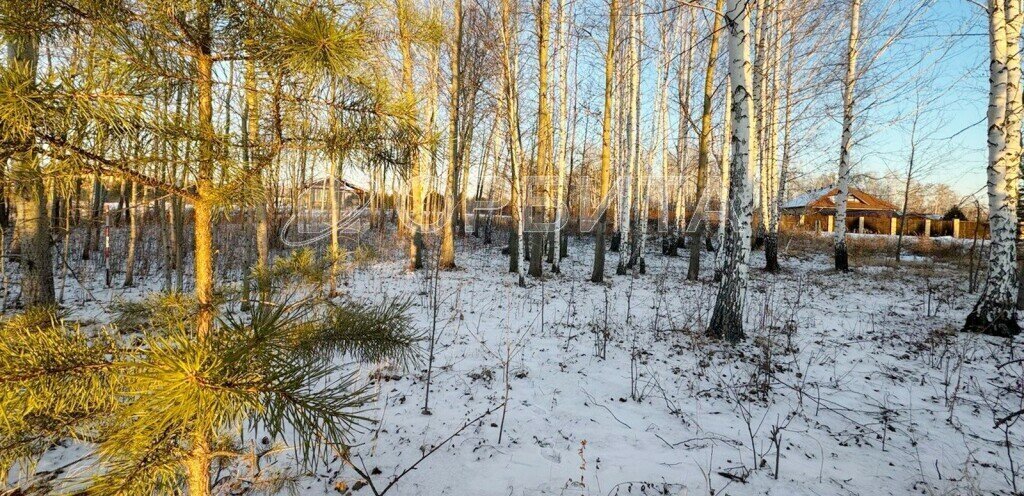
(727, 318)
(843, 181)
(996, 313)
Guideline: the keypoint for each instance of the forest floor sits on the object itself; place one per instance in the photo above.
(851, 383)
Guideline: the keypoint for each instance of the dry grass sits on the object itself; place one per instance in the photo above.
(879, 250)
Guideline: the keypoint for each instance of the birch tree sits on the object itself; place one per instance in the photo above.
(684, 30)
(632, 145)
(723, 185)
(843, 180)
(727, 317)
(995, 312)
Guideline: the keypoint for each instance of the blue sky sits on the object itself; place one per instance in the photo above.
(950, 42)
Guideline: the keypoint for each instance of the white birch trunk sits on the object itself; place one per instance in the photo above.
(727, 318)
(632, 123)
(996, 313)
(723, 192)
(843, 181)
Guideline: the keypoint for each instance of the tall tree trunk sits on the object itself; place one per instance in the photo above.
(564, 18)
(685, 69)
(447, 255)
(406, 18)
(780, 194)
(771, 239)
(199, 459)
(906, 182)
(597, 275)
(134, 223)
(632, 138)
(544, 127)
(250, 126)
(332, 179)
(843, 182)
(30, 193)
(996, 312)
(723, 192)
(704, 144)
(204, 178)
(510, 71)
(760, 81)
(727, 318)
(95, 197)
(661, 134)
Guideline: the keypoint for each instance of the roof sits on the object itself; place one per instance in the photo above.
(341, 184)
(824, 199)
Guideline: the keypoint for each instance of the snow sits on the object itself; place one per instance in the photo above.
(804, 199)
(884, 397)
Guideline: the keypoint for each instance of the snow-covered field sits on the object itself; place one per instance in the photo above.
(846, 384)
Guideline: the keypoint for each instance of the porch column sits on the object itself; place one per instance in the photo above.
(927, 228)
(892, 226)
(831, 224)
(860, 225)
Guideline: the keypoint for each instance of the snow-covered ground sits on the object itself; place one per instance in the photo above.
(860, 378)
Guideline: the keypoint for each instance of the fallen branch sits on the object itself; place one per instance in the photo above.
(366, 476)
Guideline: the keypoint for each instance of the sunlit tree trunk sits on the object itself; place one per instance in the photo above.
(510, 71)
(406, 17)
(597, 275)
(134, 223)
(334, 170)
(704, 144)
(563, 128)
(30, 193)
(447, 255)
(544, 125)
(727, 318)
(996, 312)
(843, 181)
(268, 201)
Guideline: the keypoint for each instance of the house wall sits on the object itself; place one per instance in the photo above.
(915, 226)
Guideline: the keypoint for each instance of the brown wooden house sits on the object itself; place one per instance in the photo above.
(865, 213)
(822, 201)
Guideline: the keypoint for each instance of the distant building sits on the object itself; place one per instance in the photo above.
(823, 202)
(865, 213)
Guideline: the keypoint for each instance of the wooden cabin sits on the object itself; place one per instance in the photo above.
(865, 213)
